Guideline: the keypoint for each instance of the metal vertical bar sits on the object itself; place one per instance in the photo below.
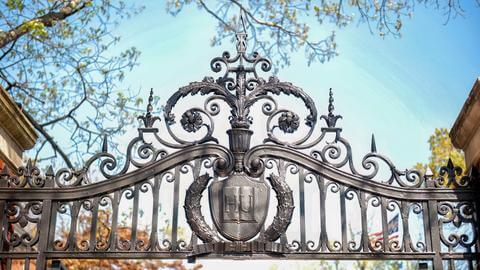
(323, 226)
(476, 217)
(44, 232)
(3, 214)
(3, 224)
(262, 180)
(405, 211)
(383, 209)
(113, 233)
(9, 263)
(451, 264)
(363, 214)
(283, 239)
(27, 264)
(426, 227)
(133, 241)
(46, 227)
(434, 234)
(176, 190)
(156, 189)
(93, 227)
(53, 223)
(301, 182)
(73, 225)
(470, 264)
(343, 218)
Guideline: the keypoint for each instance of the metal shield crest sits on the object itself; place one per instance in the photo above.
(239, 206)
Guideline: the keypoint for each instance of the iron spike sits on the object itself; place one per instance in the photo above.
(49, 171)
(373, 147)
(29, 165)
(428, 172)
(450, 163)
(105, 144)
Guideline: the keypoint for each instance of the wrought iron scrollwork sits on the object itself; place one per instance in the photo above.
(451, 176)
(457, 214)
(169, 149)
(23, 214)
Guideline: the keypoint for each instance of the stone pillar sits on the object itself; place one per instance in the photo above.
(16, 133)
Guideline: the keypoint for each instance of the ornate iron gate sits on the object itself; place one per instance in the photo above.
(96, 211)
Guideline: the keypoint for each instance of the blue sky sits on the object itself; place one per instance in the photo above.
(398, 88)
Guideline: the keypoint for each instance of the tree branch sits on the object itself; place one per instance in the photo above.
(229, 27)
(70, 113)
(48, 20)
(268, 24)
(50, 140)
(6, 52)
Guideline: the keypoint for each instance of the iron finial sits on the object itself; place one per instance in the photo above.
(49, 171)
(450, 163)
(105, 144)
(373, 146)
(148, 119)
(428, 172)
(330, 119)
(150, 100)
(241, 35)
(330, 103)
(29, 165)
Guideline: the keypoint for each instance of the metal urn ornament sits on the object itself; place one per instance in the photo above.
(239, 203)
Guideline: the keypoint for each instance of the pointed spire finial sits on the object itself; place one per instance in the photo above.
(105, 144)
(330, 118)
(330, 103)
(450, 163)
(29, 165)
(49, 171)
(373, 147)
(241, 35)
(148, 119)
(150, 100)
(428, 172)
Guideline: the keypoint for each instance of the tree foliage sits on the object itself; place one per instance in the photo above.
(55, 62)
(441, 149)
(278, 28)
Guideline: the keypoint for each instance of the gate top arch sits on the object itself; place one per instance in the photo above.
(241, 218)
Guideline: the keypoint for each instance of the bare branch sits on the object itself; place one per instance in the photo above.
(228, 26)
(70, 113)
(50, 140)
